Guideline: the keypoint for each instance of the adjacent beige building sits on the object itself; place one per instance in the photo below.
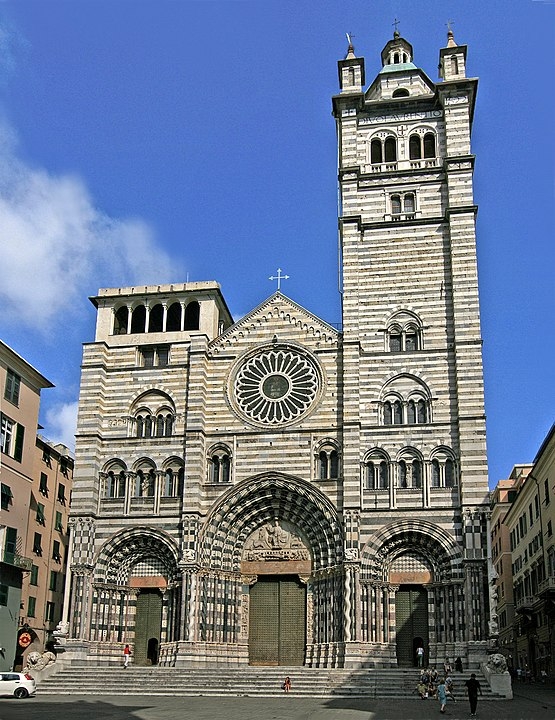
(34, 518)
(530, 522)
(273, 490)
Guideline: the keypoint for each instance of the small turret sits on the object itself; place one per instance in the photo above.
(397, 51)
(452, 59)
(351, 71)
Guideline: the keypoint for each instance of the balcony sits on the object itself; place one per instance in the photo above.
(11, 558)
(547, 587)
(525, 604)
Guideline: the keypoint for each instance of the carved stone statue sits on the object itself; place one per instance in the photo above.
(36, 661)
(496, 663)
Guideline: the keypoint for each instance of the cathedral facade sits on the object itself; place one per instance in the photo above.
(273, 491)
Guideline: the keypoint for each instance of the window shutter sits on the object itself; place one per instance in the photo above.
(18, 453)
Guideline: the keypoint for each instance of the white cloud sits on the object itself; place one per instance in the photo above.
(56, 246)
(62, 423)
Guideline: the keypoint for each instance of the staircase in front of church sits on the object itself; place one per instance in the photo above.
(240, 682)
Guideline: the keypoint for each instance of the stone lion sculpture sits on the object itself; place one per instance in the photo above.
(38, 661)
(496, 663)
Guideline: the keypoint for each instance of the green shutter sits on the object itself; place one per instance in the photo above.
(18, 454)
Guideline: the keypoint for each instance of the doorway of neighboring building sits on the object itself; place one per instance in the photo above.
(148, 622)
(411, 623)
(277, 621)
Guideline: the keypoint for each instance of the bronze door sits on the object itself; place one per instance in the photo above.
(148, 623)
(411, 623)
(277, 621)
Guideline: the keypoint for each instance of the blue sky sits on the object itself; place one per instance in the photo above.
(147, 141)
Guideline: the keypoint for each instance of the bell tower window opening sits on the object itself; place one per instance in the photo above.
(138, 319)
(402, 206)
(390, 148)
(154, 356)
(406, 339)
(173, 322)
(156, 319)
(383, 151)
(192, 316)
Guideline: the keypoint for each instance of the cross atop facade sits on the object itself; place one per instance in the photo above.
(395, 24)
(450, 24)
(279, 277)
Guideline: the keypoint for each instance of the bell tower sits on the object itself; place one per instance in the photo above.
(414, 423)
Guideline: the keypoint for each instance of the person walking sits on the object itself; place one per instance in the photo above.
(442, 695)
(420, 655)
(473, 687)
(126, 655)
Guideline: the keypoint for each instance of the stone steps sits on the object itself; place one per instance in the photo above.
(247, 681)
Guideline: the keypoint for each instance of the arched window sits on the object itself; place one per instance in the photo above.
(396, 58)
(383, 476)
(435, 473)
(429, 145)
(334, 464)
(323, 465)
(160, 426)
(409, 203)
(120, 321)
(148, 426)
(220, 466)
(169, 483)
(395, 343)
(180, 482)
(173, 482)
(449, 473)
(369, 476)
(387, 413)
(390, 148)
(397, 413)
(168, 425)
(139, 483)
(377, 474)
(411, 413)
(192, 316)
(173, 320)
(139, 424)
(111, 485)
(422, 412)
(138, 319)
(151, 483)
(416, 474)
(328, 464)
(395, 204)
(404, 332)
(415, 152)
(402, 474)
(400, 92)
(454, 65)
(156, 318)
(411, 339)
(376, 152)
(225, 466)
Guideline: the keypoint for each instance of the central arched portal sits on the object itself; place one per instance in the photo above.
(276, 553)
(277, 621)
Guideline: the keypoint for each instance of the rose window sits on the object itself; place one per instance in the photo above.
(276, 386)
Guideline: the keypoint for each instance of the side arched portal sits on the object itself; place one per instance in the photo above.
(136, 595)
(412, 586)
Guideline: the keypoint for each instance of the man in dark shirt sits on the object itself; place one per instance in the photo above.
(472, 688)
